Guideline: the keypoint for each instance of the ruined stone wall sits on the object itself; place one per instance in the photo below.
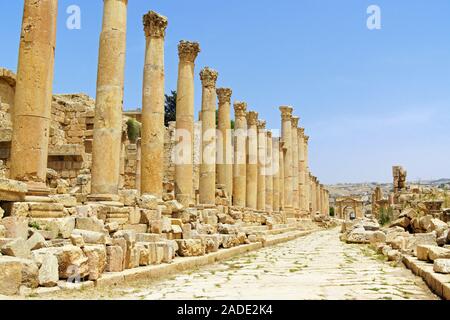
(71, 135)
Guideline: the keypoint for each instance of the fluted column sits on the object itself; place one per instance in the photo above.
(184, 134)
(269, 172)
(224, 146)
(153, 131)
(33, 97)
(286, 132)
(276, 173)
(109, 100)
(240, 154)
(295, 193)
(262, 141)
(252, 160)
(207, 187)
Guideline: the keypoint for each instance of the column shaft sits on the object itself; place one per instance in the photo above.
(207, 187)
(286, 113)
(224, 145)
(153, 130)
(33, 97)
(295, 192)
(184, 186)
(262, 141)
(269, 173)
(109, 99)
(252, 160)
(276, 173)
(240, 155)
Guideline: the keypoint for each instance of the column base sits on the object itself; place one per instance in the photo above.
(37, 189)
(185, 200)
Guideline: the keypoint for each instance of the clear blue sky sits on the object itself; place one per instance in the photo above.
(368, 99)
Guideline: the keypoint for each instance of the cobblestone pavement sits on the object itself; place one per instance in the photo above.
(317, 266)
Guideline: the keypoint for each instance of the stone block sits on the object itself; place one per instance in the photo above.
(72, 263)
(129, 197)
(10, 276)
(16, 248)
(92, 237)
(96, 255)
(148, 202)
(442, 266)
(16, 227)
(436, 253)
(36, 241)
(114, 259)
(48, 272)
(135, 216)
(90, 224)
(149, 215)
(147, 237)
(190, 247)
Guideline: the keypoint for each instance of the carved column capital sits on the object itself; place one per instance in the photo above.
(286, 112)
(306, 139)
(155, 25)
(188, 51)
(209, 77)
(294, 122)
(252, 118)
(261, 125)
(301, 131)
(240, 109)
(224, 95)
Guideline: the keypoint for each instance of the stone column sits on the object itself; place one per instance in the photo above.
(184, 134)
(276, 173)
(317, 188)
(262, 140)
(286, 132)
(301, 171)
(33, 97)
(252, 160)
(269, 173)
(307, 175)
(207, 187)
(109, 101)
(224, 146)
(282, 151)
(153, 130)
(240, 154)
(295, 193)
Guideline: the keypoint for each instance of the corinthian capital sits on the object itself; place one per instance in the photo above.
(224, 95)
(155, 25)
(252, 118)
(269, 134)
(306, 139)
(286, 112)
(240, 109)
(301, 131)
(208, 77)
(261, 125)
(294, 122)
(188, 51)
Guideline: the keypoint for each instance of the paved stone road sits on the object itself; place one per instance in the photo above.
(317, 266)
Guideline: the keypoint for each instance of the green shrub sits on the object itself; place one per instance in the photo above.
(133, 130)
(332, 212)
(385, 216)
